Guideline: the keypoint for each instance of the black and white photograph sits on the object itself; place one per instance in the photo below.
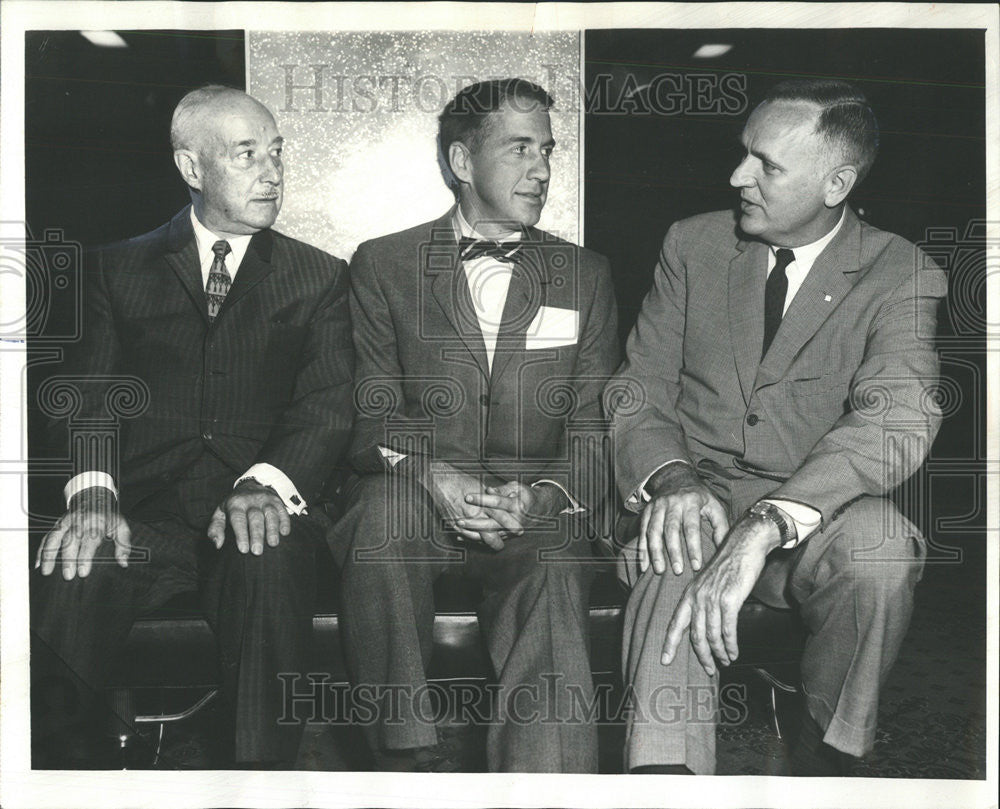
(498, 404)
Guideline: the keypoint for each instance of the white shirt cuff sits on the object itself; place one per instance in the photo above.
(391, 456)
(268, 475)
(639, 498)
(806, 518)
(87, 480)
(574, 507)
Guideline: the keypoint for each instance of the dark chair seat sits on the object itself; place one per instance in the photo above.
(174, 646)
(173, 650)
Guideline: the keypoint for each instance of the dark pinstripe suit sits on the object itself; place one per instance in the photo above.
(268, 382)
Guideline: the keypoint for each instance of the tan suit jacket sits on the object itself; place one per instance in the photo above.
(840, 407)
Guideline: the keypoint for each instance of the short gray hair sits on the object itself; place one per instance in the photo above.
(188, 108)
(845, 118)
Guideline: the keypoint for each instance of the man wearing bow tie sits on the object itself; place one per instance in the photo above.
(238, 338)
(787, 361)
(482, 344)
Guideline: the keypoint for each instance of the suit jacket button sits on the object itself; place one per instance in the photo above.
(207, 435)
(752, 419)
(484, 400)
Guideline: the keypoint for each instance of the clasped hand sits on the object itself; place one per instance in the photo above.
(488, 514)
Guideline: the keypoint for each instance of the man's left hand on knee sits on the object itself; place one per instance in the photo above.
(256, 515)
(710, 606)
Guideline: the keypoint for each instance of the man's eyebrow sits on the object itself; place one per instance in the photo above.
(756, 152)
(765, 157)
(526, 139)
(249, 142)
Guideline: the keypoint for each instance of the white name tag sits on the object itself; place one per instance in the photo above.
(553, 327)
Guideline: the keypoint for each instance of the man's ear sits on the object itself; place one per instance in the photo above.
(459, 158)
(839, 183)
(189, 167)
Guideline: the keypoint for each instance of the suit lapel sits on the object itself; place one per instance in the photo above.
(831, 277)
(449, 287)
(182, 258)
(255, 268)
(747, 276)
(525, 295)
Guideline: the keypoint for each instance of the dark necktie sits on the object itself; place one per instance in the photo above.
(218, 279)
(774, 296)
(470, 249)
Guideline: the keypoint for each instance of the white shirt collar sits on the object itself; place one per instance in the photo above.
(465, 229)
(806, 255)
(205, 239)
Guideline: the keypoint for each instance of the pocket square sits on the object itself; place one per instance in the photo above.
(552, 327)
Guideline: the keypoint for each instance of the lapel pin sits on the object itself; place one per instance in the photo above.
(827, 298)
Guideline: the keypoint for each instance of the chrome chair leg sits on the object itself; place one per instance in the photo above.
(775, 684)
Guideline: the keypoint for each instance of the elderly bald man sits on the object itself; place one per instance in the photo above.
(240, 338)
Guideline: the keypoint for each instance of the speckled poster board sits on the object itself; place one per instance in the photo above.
(358, 111)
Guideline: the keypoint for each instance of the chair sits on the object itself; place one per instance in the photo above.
(174, 648)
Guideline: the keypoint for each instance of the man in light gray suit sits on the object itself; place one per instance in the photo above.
(786, 362)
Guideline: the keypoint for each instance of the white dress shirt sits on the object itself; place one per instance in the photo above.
(489, 280)
(263, 473)
(805, 257)
(806, 518)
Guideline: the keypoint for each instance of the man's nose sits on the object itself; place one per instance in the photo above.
(539, 169)
(741, 176)
(272, 169)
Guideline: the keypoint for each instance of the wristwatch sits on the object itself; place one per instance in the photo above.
(786, 529)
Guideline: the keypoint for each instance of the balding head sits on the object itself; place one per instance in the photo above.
(193, 116)
(228, 151)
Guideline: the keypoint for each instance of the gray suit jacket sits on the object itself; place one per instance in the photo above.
(840, 407)
(423, 384)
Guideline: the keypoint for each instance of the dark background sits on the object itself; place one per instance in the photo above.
(99, 168)
(97, 157)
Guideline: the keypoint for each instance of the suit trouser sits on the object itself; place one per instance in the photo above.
(533, 616)
(260, 609)
(853, 586)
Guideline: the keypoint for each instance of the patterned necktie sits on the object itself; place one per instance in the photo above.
(774, 296)
(218, 279)
(470, 249)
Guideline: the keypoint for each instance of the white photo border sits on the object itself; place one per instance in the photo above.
(21, 787)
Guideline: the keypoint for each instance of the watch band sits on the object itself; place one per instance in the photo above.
(786, 529)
